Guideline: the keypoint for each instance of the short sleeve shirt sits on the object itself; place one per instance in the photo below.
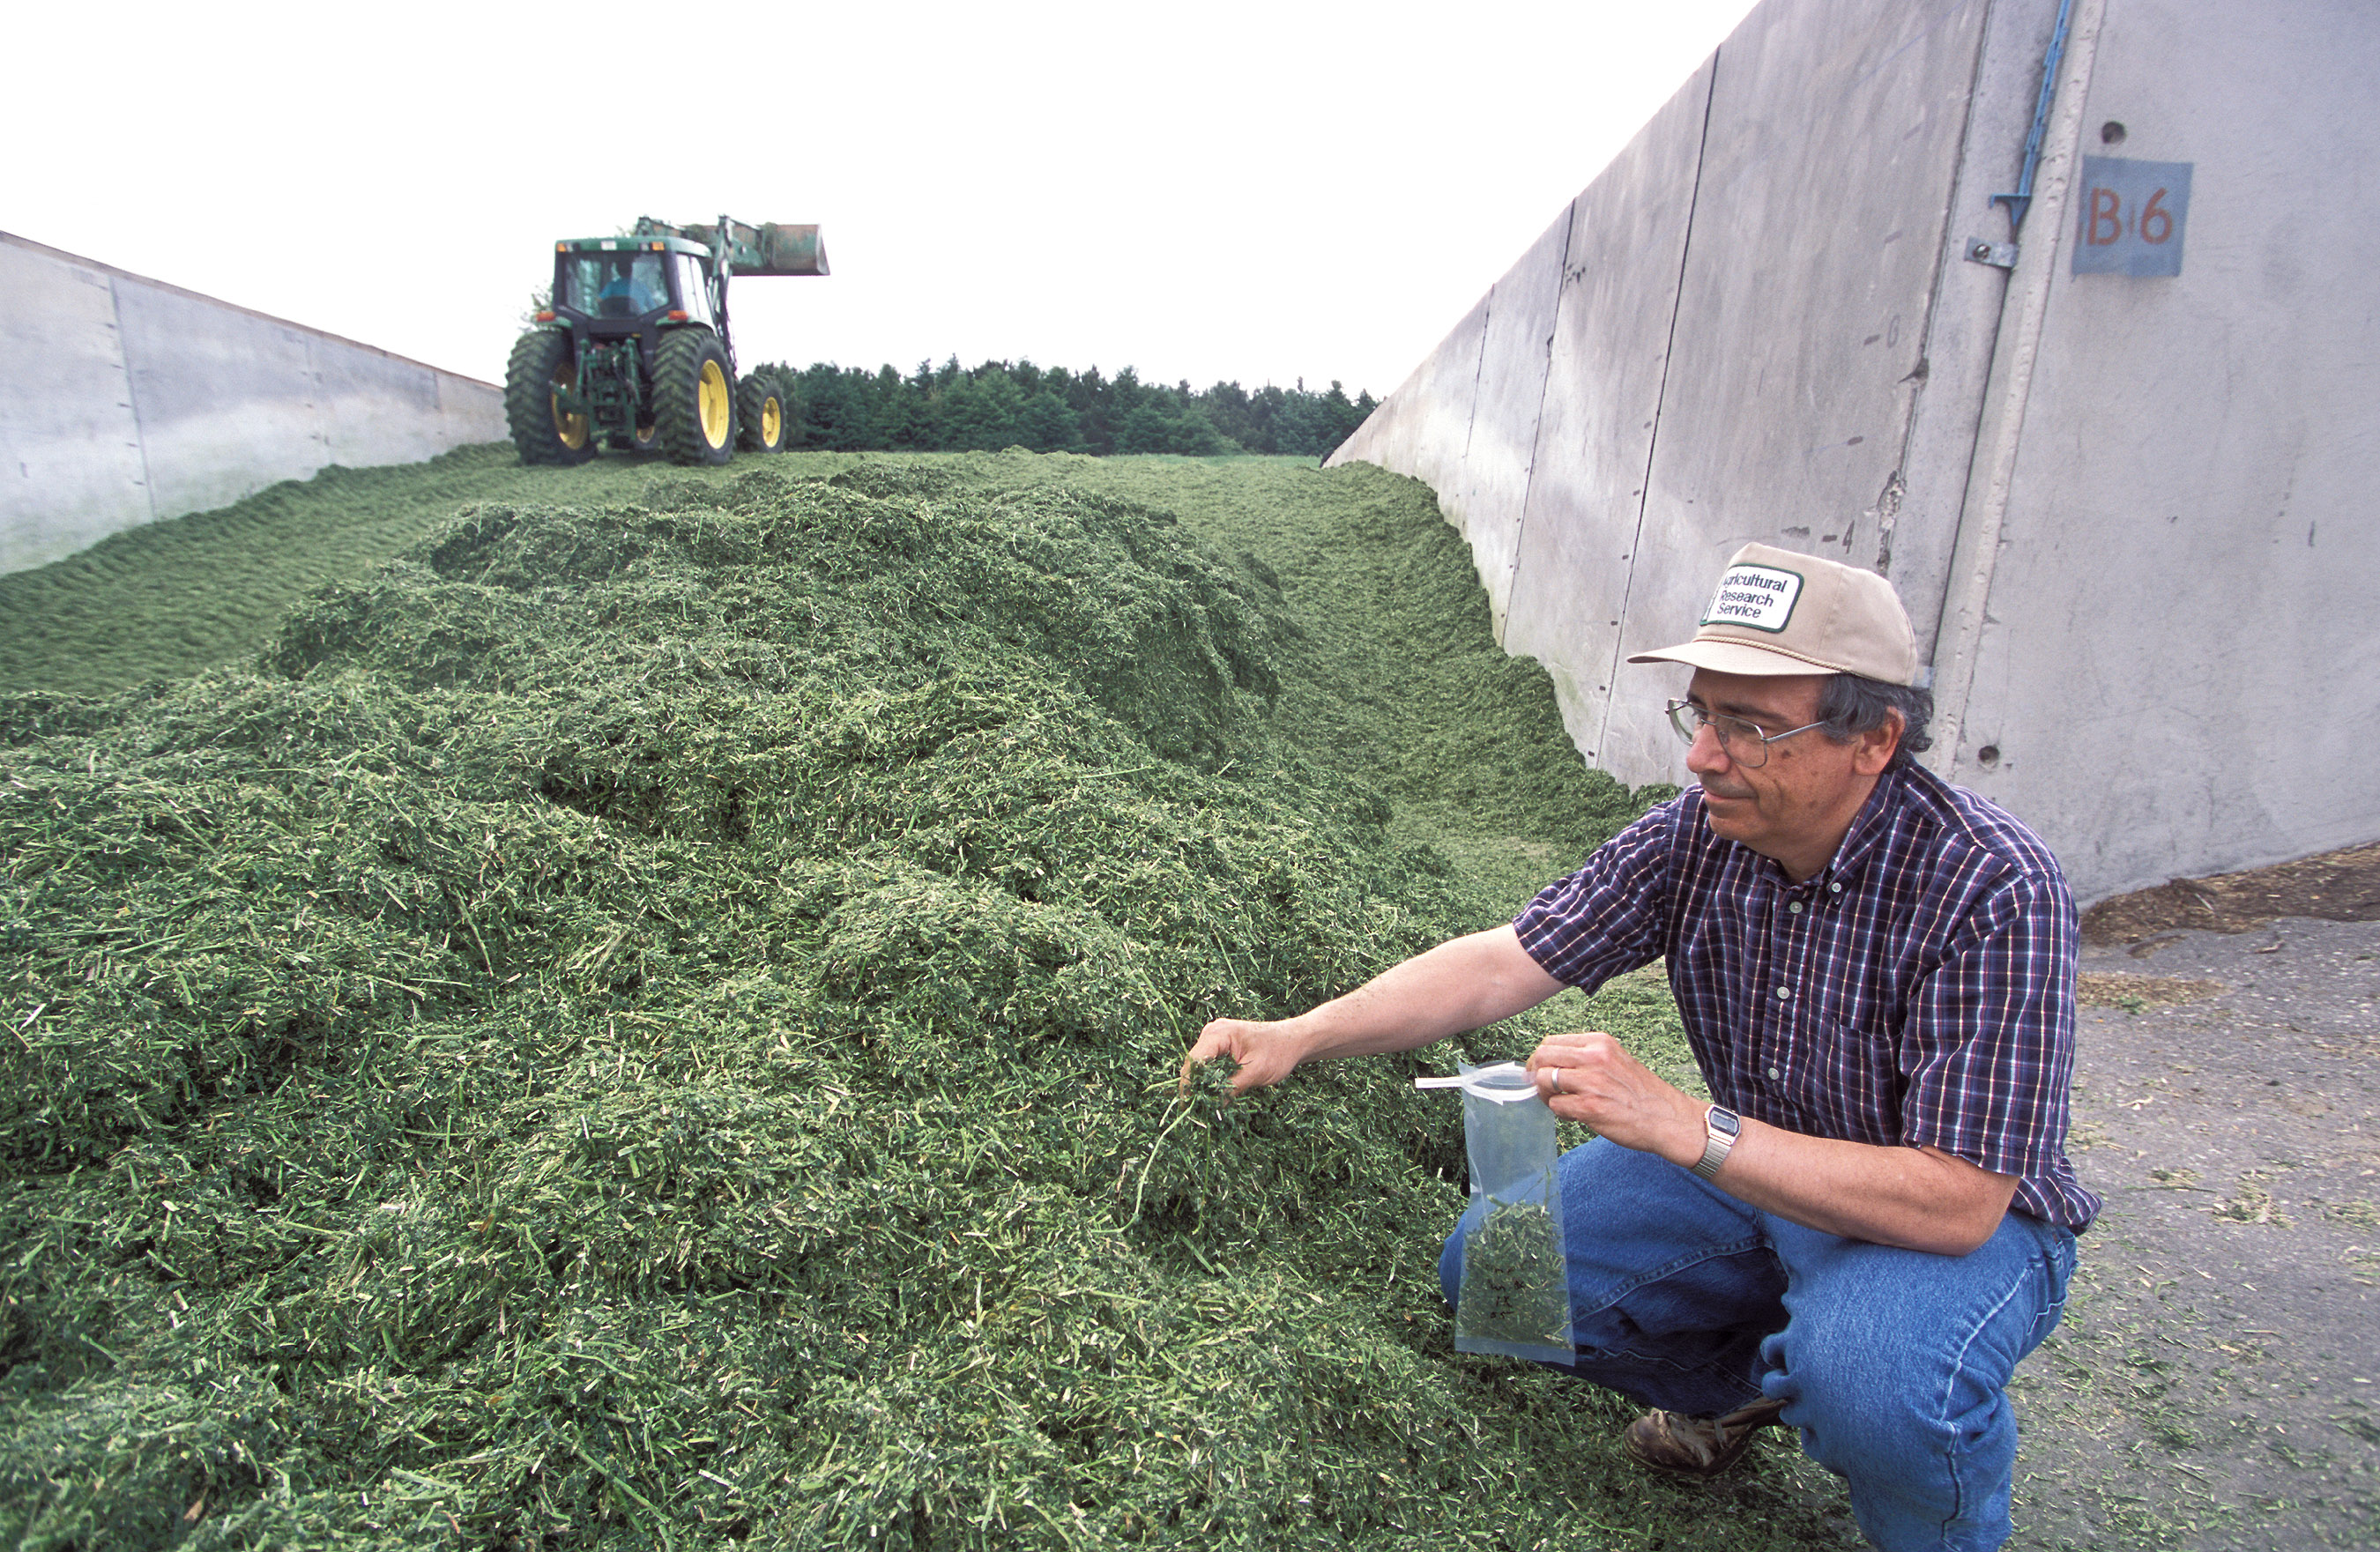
(1918, 992)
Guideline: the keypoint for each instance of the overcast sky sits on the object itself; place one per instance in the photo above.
(1253, 191)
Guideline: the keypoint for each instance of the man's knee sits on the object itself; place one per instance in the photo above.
(1927, 1445)
(1862, 1395)
(1879, 1337)
(1890, 1356)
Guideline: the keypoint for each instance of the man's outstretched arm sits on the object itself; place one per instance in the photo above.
(1464, 984)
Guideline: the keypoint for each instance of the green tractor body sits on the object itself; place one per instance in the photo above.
(633, 352)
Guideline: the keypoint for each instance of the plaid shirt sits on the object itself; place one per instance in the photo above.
(1918, 991)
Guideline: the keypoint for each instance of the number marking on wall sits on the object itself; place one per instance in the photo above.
(2129, 216)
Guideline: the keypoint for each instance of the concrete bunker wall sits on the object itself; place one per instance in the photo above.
(137, 400)
(2126, 513)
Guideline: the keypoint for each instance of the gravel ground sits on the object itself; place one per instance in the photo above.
(2216, 1381)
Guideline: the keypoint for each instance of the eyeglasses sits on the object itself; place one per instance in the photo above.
(1745, 744)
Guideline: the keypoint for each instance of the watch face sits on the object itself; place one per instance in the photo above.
(1722, 1119)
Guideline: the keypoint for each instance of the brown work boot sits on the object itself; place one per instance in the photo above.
(1700, 1448)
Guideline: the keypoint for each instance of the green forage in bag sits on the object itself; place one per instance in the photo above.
(1515, 1297)
(1514, 1288)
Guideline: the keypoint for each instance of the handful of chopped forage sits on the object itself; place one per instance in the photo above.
(1209, 1080)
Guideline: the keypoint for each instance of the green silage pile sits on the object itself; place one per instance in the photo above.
(656, 1024)
(653, 1020)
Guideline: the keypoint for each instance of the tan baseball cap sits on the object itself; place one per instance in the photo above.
(1777, 611)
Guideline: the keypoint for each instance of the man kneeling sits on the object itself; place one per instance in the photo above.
(1876, 969)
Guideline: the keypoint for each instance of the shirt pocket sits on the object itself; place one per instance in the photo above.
(1845, 1077)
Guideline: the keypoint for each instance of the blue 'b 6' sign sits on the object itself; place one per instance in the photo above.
(2129, 216)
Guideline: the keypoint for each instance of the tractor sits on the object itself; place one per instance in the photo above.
(632, 352)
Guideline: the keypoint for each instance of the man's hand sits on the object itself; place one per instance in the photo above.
(1592, 1078)
(1267, 1052)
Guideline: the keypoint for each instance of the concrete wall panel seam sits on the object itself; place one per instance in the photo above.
(1951, 251)
(132, 400)
(1644, 476)
(1510, 399)
(1536, 431)
(1478, 371)
(1975, 550)
(1962, 326)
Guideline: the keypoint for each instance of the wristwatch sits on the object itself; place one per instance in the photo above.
(1721, 1126)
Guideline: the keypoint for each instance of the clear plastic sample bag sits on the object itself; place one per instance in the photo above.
(1515, 1295)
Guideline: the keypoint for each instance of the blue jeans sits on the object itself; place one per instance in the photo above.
(1893, 1364)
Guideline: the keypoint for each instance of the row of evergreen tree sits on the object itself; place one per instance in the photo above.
(951, 409)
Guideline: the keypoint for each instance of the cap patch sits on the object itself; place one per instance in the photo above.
(1760, 598)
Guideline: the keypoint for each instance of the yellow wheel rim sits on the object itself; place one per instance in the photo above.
(773, 420)
(711, 400)
(570, 429)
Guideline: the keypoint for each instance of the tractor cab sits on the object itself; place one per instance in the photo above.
(616, 287)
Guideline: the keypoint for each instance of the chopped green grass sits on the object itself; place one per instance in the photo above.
(655, 1018)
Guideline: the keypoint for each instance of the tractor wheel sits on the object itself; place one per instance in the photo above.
(761, 423)
(693, 398)
(540, 369)
(790, 406)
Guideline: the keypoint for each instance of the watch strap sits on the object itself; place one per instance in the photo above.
(1718, 1139)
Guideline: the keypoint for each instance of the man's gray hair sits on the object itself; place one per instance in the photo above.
(1850, 706)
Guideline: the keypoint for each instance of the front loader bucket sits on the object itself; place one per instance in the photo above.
(768, 248)
(791, 250)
